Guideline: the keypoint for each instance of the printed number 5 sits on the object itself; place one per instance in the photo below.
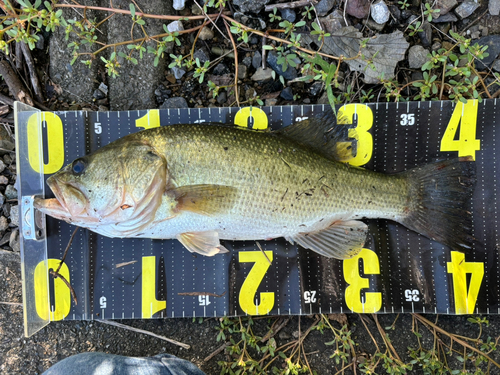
(98, 128)
(407, 119)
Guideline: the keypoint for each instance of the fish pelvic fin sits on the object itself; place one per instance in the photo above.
(438, 202)
(341, 240)
(204, 243)
(322, 134)
(206, 200)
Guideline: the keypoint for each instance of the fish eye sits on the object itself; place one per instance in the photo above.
(78, 166)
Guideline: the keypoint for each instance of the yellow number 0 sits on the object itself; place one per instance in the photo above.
(252, 282)
(260, 120)
(62, 297)
(373, 301)
(360, 134)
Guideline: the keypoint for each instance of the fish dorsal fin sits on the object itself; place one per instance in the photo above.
(322, 134)
(205, 243)
(204, 199)
(341, 240)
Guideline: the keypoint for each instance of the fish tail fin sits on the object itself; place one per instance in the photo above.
(439, 193)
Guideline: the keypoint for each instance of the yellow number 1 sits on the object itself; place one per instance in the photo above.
(465, 116)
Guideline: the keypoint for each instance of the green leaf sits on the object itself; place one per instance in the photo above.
(300, 24)
(132, 9)
(141, 22)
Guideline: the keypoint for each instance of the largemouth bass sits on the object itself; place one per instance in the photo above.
(202, 183)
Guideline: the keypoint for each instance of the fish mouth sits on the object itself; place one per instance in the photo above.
(54, 186)
(71, 202)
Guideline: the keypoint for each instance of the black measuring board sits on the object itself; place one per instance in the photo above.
(398, 271)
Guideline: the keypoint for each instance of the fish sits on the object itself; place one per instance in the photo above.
(203, 183)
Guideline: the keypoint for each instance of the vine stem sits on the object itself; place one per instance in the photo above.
(237, 94)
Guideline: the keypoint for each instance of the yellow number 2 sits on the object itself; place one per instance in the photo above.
(465, 116)
(150, 120)
(252, 282)
(465, 298)
(373, 300)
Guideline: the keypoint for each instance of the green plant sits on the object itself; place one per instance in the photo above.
(430, 13)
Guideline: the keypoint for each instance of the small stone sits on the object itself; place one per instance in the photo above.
(333, 22)
(178, 72)
(195, 10)
(257, 60)
(5, 239)
(358, 8)
(221, 69)
(324, 6)
(250, 93)
(373, 25)
(417, 56)
(287, 93)
(485, 31)
(10, 192)
(177, 102)
(222, 97)
(435, 46)
(475, 35)
(103, 108)
(307, 101)
(14, 240)
(417, 76)
(4, 224)
(179, 4)
(4, 180)
(103, 88)
(170, 78)
(7, 159)
(206, 33)
(496, 66)
(262, 74)
(426, 35)
(465, 9)
(242, 71)
(201, 55)
(316, 88)
(445, 6)
(14, 216)
(250, 6)
(2, 166)
(449, 17)
(98, 94)
(395, 11)
(288, 14)
(380, 12)
(247, 61)
(175, 26)
(5, 147)
(272, 60)
(40, 43)
(493, 43)
(271, 102)
(494, 7)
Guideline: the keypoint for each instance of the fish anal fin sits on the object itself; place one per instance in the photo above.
(205, 243)
(204, 199)
(341, 240)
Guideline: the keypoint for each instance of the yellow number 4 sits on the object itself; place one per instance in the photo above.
(465, 117)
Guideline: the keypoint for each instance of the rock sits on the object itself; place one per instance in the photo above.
(380, 12)
(201, 55)
(465, 9)
(221, 69)
(262, 74)
(251, 6)
(493, 43)
(449, 17)
(324, 6)
(179, 4)
(4, 180)
(287, 93)
(14, 240)
(250, 93)
(426, 34)
(396, 13)
(494, 7)
(445, 6)
(435, 46)
(98, 95)
(242, 71)
(272, 60)
(417, 56)
(4, 224)
(40, 43)
(247, 61)
(358, 8)
(14, 216)
(206, 33)
(475, 34)
(316, 88)
(103, 87)
(5, 147)
(323, 99)
(307, 101)
(222, 97)
(257, 60)
(195, 10)
(2, 166)
(373, 25)
(177, 102)
(162, 93)
(11, 192)
(333, 22)
(7, 159)
(496, 66)
(271, 102)
(485, 31)
(175, 26)
(288, 14)
(178, 72)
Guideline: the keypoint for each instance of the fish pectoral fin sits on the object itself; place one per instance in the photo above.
(204, 199)
(341, 240)
(205, 243)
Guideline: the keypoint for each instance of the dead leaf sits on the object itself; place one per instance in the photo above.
(379, 57)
